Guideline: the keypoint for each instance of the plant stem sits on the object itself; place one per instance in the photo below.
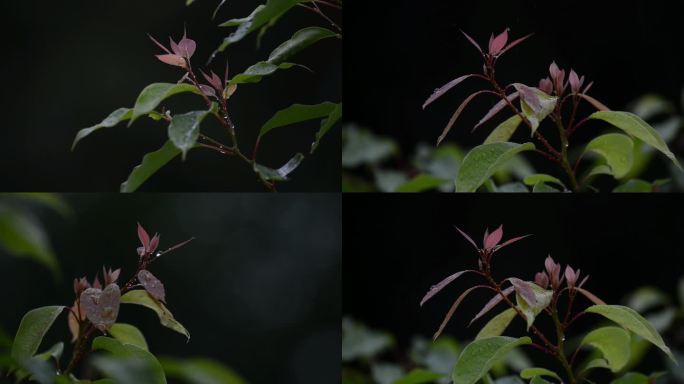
(564, 155)
(560, 335)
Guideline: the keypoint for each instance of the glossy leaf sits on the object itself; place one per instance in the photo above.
(529, 373)
(497, 325)
(419, 376)
(614, 344)
(116, 117)
(297, 113)
(635, 126)
(618, 151)
(439, 92)
(128, 334)
(632, 321)
(299, 41)
(184, 130)
(492, 303)
(199, 371)
(483, 161)
(326, 125)
(282, 173)
(439, 286)
(141, 297)
(156, 93)
(33, 327)
(21, 235)
(127, 363)
(479, 356)
(262, 15)
(504, 131)
(422, 183)
(151, 163)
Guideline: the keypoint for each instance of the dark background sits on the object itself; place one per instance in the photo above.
(259, 289)
(396, 247)
(402, 50)
(67, 65)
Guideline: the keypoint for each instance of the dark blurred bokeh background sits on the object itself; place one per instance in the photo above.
(396, 247)
(67, 65)
(398, 52)
(259, 289)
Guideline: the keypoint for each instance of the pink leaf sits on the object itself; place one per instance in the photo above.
(491, 304)
(493, 240)
(159, 44)
(444, 89)
(514, 43)
(594, 299)
(452, 310)
(187, 47)
(497, 108)
(498, 43)
(511, 241)
(154, 243)
(175, 60)
(472, 41)
(523, 288)
(457, 113)
(467, 237)
(207, 90)
(597, 104)
(144, 237)
(530, 97)
(575, 83)
(436, 288)
(152, 285)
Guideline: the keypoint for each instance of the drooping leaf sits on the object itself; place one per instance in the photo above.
(453, 308)
(532, 309)
(326, 125)
(444, 89)
(282, 173)
(33, 327)
(21, 235)
(479, 356)
(184, 130)
(635, 126)
(299, 41)
(439, 286)
(419, 376)
(632, 321)
(422, 183)
(262, 15)
(127, 363)
(151, 163)
(199, 371)
(530, 373)
(297, 113)
(128, 334)
(154, 94)
(492, 303)
(618, 151)
(504, 131)
(497, 108)
(456, 114)
(116, 117)
(613, 342)
(141, 297)
(497, 325)
(535, 105)
(482, 161)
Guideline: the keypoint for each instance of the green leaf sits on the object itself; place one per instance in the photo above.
(154, 94)
(616, 149)
(141, 297)
(363, 147)
(116, 117)
(532, 180)
(33, 327)
(535, 105)
(479, 356)
(635, 126)
(531, 310)
(280, 174)
(482, 161)
(632, 321)
(263, 14)
(151, 163)
(297, 113)
(300, 40)
(127, 363)
(46, 199)
(184, 130)
(128, 334)
(257, 71)
(497, 324)
(21, 235)
(55, 352)
(613, 342)
(421, 183)
(327, 125)
(634, 185)
(504, 131)
(419, 376)
(360, 342)
(632, 378)
(199, 371)
(530, 373)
